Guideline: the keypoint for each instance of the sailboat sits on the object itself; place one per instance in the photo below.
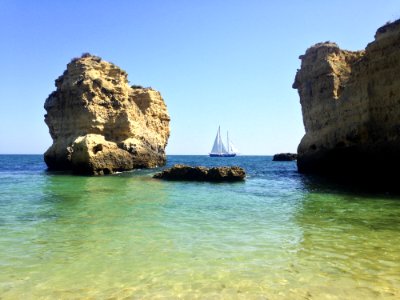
(219, 150)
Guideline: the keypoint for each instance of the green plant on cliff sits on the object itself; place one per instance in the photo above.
(86, 55)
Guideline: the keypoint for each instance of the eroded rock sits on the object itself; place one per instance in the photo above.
(351, 107)
(99, 124)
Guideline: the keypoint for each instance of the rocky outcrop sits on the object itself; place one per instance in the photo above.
(99, 124)
(351, 107)
(284, 157)
(216, 174)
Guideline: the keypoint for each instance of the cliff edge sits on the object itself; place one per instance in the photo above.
(99, 124)
(351, 107)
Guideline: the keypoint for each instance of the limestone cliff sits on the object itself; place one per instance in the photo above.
(351, 106)
(100, 124)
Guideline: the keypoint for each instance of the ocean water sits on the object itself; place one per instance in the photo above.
(278, 235)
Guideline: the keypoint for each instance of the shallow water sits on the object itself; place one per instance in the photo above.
(278, 235)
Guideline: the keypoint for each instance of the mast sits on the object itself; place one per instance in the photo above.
(219, 140)
(227, 141)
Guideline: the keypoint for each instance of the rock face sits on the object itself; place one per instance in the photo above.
(100, 124)
(284, 157)
(216, 174)
(351, 107)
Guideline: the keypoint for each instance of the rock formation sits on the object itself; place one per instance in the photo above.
(216, 174)
(100, 124)
(284, 157)
(351, 107)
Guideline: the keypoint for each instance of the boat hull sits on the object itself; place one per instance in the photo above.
(222, 154)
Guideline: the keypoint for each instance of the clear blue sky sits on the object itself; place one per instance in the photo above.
(228, 63)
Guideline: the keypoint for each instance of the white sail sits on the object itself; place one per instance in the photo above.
(227, 140)
(230, 145)
(232, 148)
(218, 147)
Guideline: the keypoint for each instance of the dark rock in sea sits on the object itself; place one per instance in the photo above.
(285, 157)
(216, 174)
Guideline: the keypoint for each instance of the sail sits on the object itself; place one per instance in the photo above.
(219, 150)
(223, 149)
(232, 148)
(218, 146)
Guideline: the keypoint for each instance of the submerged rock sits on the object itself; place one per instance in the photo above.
(284, 157)
(216, 174)
(351, 108)
(100, 124)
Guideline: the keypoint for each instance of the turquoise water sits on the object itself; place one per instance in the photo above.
(278, 235)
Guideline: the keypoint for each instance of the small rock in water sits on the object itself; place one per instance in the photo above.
(215, 174)
(285, 157)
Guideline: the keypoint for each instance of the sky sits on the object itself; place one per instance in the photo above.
(216, 63)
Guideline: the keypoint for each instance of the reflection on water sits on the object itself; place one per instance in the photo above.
(350, 242)
(77, 229)
(279, 235)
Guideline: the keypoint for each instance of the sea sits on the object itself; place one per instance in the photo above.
(277, 235)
